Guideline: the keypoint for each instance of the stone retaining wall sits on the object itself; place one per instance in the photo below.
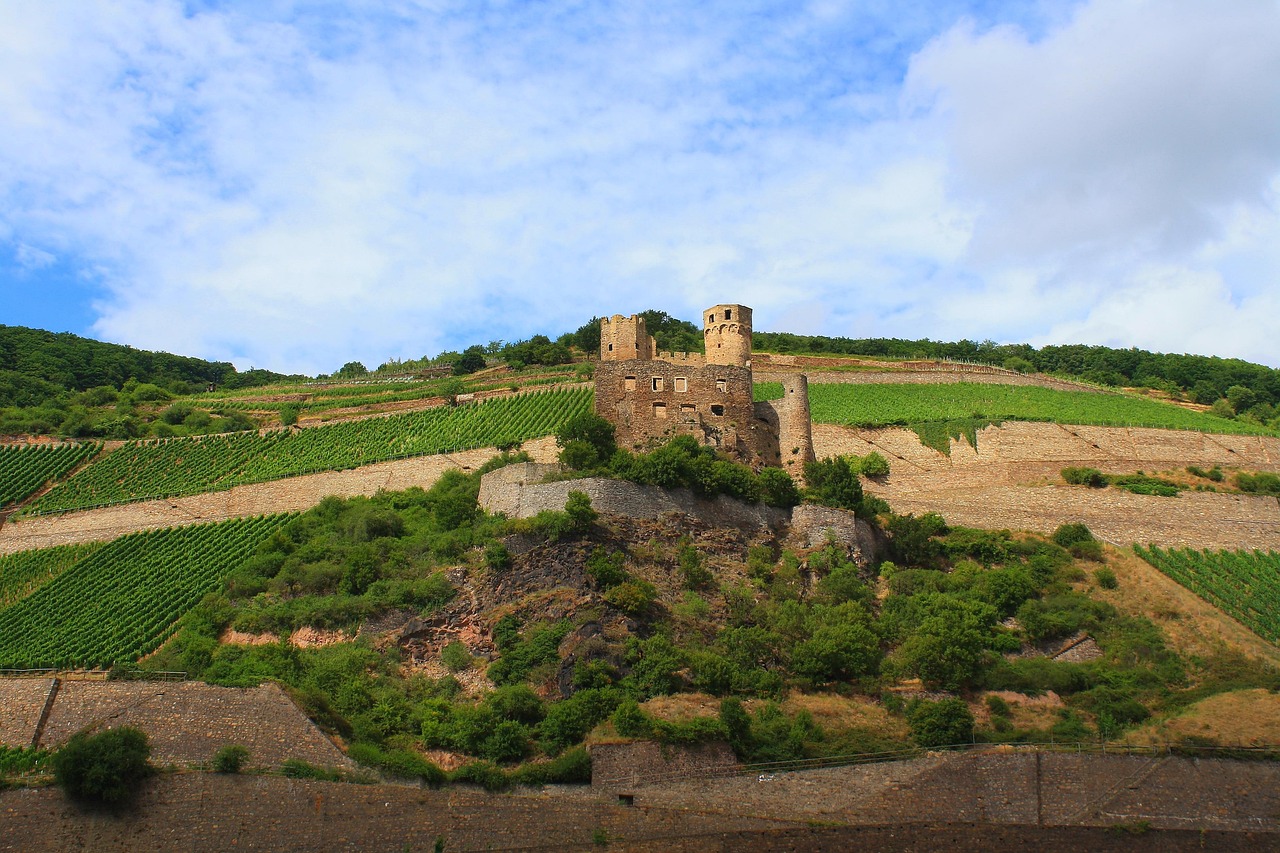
(187, 722)
(513, 490)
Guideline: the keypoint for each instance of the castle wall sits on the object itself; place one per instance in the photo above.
(647, 400)
(651, 396)
(789, 419)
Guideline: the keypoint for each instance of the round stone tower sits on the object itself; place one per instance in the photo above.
(727, 331)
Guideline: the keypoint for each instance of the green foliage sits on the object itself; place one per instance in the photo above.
(455, 656)
(1105, 578)
(695, 574)
(586, 441)
(911, 540)
(943, 723)
(871, 465)
(1091, 477)
(106, 768)
(399, 763)
(1067, 535)
(683, 463)
(605, 568)
(940, 434)
(535, 646)
(634, 596)
(833, 482)
(230, 758)
(1262, 483)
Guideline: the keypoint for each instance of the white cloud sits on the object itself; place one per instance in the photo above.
(298, 189)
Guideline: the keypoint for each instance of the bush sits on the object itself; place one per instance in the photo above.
(456, 656)
(873, 465)
(1091, 477)
(943, 723)
(1069, 534)
(106, 767)
(633, 597)
(1106, 578)
(230, 758)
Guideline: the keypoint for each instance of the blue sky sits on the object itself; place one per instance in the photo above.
(297, 185)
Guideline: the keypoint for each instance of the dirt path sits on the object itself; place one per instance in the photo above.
(1008, 481)
(295, 493)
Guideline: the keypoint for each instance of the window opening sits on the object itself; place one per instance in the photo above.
(717, 410)
(657, 383)
(629, 383)
(660, 410)
(682, 384)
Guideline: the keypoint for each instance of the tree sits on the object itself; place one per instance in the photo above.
(472, 360)
(106, 768)
(833, 482)
(351, 370)
(586, 441)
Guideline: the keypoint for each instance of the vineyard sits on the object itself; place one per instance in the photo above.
(145, 470)
(21, 573)
(120, 600)
(1243, 584)
(901, 405)
(25, 468)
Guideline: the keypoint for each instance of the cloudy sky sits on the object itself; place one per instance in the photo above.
(294, 185)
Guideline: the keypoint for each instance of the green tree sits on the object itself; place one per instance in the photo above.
(472, 360)
(586, 441)
(942, 723)
(106, 768)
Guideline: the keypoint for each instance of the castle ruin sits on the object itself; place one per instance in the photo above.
(650, 395)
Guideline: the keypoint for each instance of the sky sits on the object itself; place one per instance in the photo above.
(296, 185)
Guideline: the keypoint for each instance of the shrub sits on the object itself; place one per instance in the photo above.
(1087, 551)
(1263, 483)
(455, 656)
(633, 597)
(873, 465)
(942, 723)
(1091, 477)
(1069, 534)
(230, 758)
(1106, 578)
(107, 767)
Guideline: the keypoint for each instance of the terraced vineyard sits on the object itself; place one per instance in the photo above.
(903, 404)
(120, 601)
(25, 468)
(21, 573)
(1243, 584)
(141, 471)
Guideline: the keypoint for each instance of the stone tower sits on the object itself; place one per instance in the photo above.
(625, 338)
(727, 331)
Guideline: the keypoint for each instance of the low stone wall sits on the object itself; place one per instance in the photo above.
(624, 765)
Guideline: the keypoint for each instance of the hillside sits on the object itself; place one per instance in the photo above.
(430, 638)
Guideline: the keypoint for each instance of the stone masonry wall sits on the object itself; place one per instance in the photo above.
(623, 765)
(525, 500)
(187, 722)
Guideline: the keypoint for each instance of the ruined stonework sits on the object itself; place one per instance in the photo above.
(650, 396)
